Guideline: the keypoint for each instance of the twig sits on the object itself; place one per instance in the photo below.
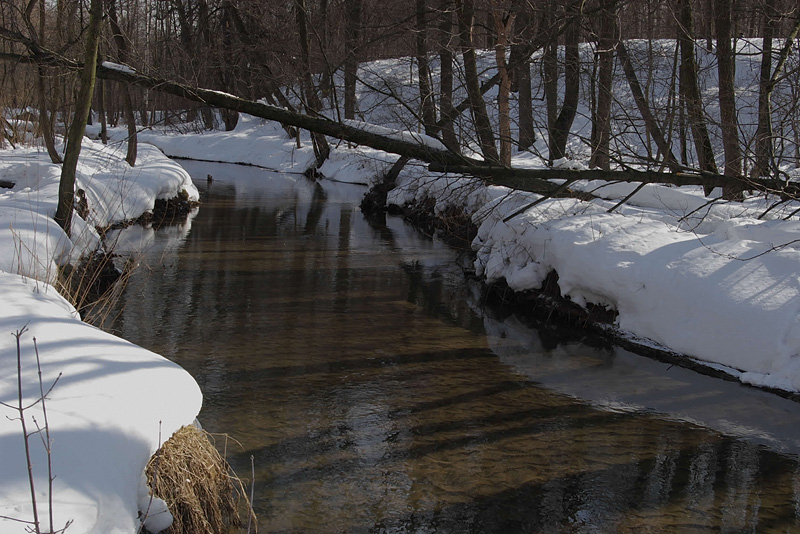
(252, 491)
(25, 435)
(48, 444)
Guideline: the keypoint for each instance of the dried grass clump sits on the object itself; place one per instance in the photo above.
(195, 481)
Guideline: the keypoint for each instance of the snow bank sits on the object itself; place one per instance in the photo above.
(729, 295)
(115, 402)
(107, 414)
(32, 243)
(707, 280)
(254, 142)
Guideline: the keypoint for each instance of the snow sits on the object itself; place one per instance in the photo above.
(119, 67)
(717, 281)
(114, 402)
(711, 281)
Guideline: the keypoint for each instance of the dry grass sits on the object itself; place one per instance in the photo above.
(196, 482)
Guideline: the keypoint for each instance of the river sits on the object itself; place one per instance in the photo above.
(357, 367)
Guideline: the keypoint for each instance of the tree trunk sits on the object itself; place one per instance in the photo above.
(503, 24)
(352, 37)
(446, 110)
(312, 102)
(427, 103)
(726, 65)
(101, 110)
(127, 102)
(483, 127)
(569, 107)
(550, 73)
(45, 119)
(521, 79)
(66, 187)
(690, 90)
(768, 82)
(765, 151)
(601, 124)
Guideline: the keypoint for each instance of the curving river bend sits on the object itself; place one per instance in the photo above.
(356, 366)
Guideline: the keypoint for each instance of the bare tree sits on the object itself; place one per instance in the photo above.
(726, 70)
(446, 75)
(559, 131)
(127, 102)
(312, 102)
(690, 89)
(483, 127)
(352, 38)
(521, 75)
(66, 187)
(601, 119)
(427, 103)
(503, 25)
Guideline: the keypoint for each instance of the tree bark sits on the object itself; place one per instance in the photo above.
(690, 90)
(601, 125)
(312, 102)
(66, 187)
(550, 73)
(45, 118)
(521, 79)
(559, 132)
(446, 111)
(353, 32)
(764, 148)
(483, 127)
(503, 25)
(426, 99)
(127, 102)
(726, 70)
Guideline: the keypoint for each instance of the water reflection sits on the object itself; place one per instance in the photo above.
(353, 363)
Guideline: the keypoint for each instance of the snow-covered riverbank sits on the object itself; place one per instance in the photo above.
(713, 282)
(114, 402)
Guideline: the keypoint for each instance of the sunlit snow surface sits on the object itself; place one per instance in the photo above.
(710, 281)
(114, 402)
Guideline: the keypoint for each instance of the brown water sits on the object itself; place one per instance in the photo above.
(374, 394)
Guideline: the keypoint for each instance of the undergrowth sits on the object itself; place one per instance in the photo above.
(201, 491)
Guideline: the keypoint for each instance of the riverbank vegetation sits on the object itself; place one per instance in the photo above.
(635, 163)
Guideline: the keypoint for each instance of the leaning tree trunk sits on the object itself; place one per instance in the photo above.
(66, 186)
(127, 102)
(650, 122)
(312, 102)
(483, 127)
(690, 90)
(559, 131)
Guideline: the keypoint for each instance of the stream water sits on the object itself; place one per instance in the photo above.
(374, 393)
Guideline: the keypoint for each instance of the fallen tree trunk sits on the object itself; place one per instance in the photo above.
(439, 159)
(538, 180)
(360, 136)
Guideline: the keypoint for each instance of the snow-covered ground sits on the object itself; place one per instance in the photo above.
(114, 402)
(711, 281)
(718, 282)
